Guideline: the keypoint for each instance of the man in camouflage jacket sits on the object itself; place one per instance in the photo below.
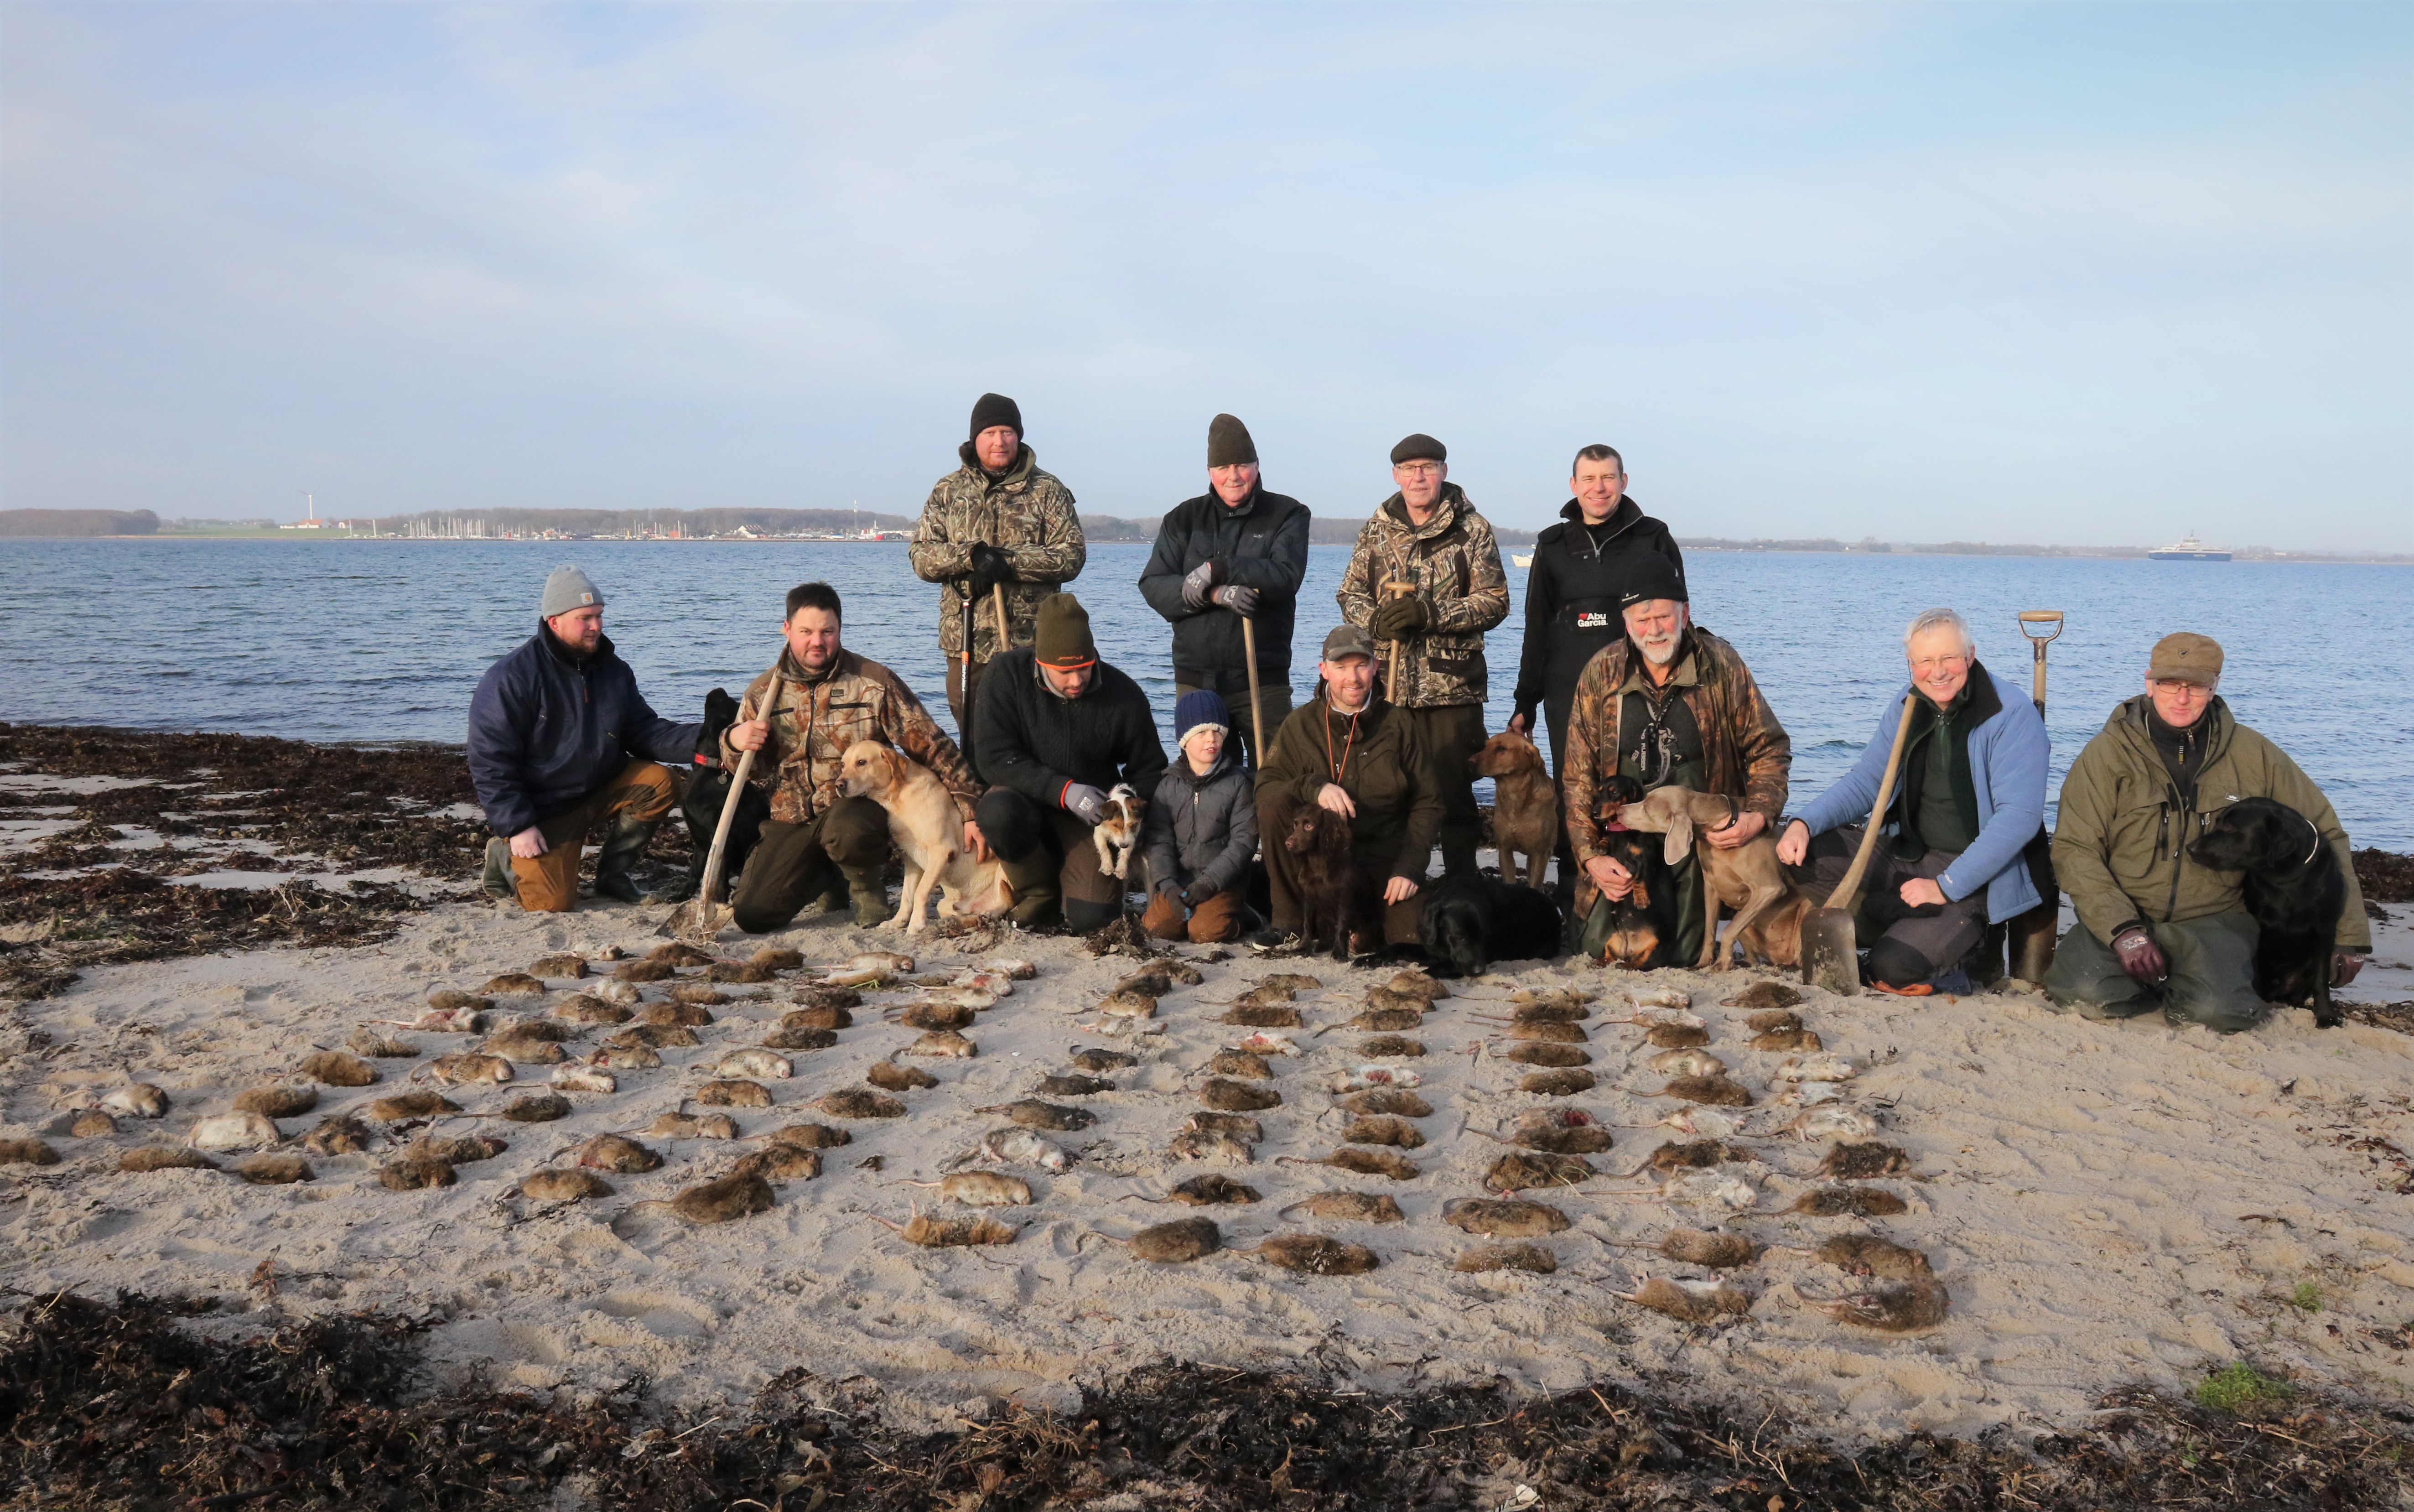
(1667, 704)
(1429, 534)
(997, 519)
(828, 698)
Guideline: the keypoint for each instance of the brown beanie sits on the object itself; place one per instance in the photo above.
(1419, 447)
(2186, 657)
(1227, 442)
(1063, 639)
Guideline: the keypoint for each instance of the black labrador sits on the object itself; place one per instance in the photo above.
(1469, 921)
(2296, 891)
(707, 789)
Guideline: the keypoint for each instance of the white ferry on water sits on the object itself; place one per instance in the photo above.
(2188, 549)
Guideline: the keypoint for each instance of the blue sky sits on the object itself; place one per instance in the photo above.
(2087, 273)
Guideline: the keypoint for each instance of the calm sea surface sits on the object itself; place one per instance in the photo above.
(374, 640)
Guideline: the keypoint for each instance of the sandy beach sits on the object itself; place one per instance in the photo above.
(2106, 1204)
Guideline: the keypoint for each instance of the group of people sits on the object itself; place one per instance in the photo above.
(1633, 696)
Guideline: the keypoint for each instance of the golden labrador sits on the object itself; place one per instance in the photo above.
(1525, 804)
(929, 834)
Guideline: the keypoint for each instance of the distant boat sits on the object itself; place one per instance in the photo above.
(2188, 549)
(1516, 560)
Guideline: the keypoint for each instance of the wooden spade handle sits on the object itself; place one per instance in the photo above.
(729, 806)
(1848, 893)
(1395, 588)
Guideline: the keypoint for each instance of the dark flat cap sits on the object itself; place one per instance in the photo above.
(1419, 445)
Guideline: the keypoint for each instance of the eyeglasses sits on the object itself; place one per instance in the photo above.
(1418, 469)
(1926, 664)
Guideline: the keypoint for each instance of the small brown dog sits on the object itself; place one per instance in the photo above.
(1318, 846)
(1525, 804)
(1747, 878)
(929, 834)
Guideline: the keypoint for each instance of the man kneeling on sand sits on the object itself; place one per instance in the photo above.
(827, 699)
(559, 737)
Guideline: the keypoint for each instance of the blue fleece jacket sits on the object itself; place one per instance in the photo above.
(545, 731)
(2009, 755)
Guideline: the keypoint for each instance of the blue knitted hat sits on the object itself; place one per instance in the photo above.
(1201, 708)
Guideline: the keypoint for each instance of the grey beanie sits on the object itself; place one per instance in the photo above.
(569, 588)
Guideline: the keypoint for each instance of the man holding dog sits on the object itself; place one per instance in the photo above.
(827, 697)
(1428, 539)
(1059, 731)
(1666, 705)
(1964, 824)
(1235, 553)
(997, 522)
(2156, 928)
(559, 738)
(1349, 752)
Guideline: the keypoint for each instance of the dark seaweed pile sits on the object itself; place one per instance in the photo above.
(312, 806)
(2385, 876)
(119, 1406)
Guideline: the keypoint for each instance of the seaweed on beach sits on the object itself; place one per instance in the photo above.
(2384, 876)
(123, 1405)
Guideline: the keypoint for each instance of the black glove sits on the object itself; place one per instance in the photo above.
(991, 568)
(1238, 598)
(1398, 619)
(720, 712)
(1197, 894)
(2139, 955)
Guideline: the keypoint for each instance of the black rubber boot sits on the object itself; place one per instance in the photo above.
(497, 880)
(621, 848)
(868, 894)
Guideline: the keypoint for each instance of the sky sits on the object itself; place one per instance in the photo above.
(2088, 275)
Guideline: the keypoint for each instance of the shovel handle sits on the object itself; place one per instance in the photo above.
(1395, 588)
(1848, 893)
(729, 806)
(1257, 719)
(2038, 644)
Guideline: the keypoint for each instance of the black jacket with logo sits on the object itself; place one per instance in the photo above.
(1264, 544)
(1571, 595)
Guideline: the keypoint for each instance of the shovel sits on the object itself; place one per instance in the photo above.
(1830, 953)
(1395, 588)
(704, 916)
(2031, 932)
(1257, 719)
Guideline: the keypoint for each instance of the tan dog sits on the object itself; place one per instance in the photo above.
(1748, 878)
(1525, 804)
(1117, 831)
(929, 834)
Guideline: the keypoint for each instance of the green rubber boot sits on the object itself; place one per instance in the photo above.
(868, 894)
(497, 880)
(1038, 900)
(614, 862)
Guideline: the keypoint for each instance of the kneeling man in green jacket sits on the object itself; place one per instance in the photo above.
(2157, 929)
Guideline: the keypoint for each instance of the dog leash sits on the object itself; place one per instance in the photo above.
(1344, 765)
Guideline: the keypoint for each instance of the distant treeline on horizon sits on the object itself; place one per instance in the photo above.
(1324, 530)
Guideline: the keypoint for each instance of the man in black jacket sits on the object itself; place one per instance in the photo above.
(1058, 730)
(1236, 553)
(1571, 596)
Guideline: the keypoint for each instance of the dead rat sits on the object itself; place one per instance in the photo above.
(819, 996)
(1383, 1128)
(1390, 1045)
(1349, 1207)
(1418, 985)
(525, 1051)
(633, 971)
(451, 1000)
(412, 1174)
(687, 1125)
(1676, 1037)
(1553, 1011)
(467, 1068)
(1688, 1301)
(1562, 1082)
(1031, 1113)
(1538, 1168)
(1497, 1218)
(1687, 1063)
(1549, 1034)
(781, 1162)
(1531, 1257)
(1774, 1020)
(1210, 1190)
(1715, 1090)
(1291, 982)
(685, 1015)
(810, 1136)
(1779, 1040)
(394, 1110)
(626, 1057)
(1379, 1018)
(616, 1153)
(1102, 1060)
(584, 1079)
(1072, 1086)
(1831, 1121)
(512, 984)
(944, 1043)
(1391, 1099)
(1264, 995)
(336, 1069)
(1561, 1132)
(1696, 1246)
(824, 1019)
(1266, 1042)
(733, 1196)
(947, 1233)
(560, 1186)
(679, 953)
(342, 1134)
(655, 1037)
(891, 1077)
(1549, 1055)
(1894, 1308)
(696, 993)
(164, 1158)
(368, 1041)
(566, 964)
(27, 1152)
(1314, 1254)
(980, 1188)
(1849, 1202)
(1382, 999)
(779, 958)
(1714, 1187)
(785, 1038)
(221, 1132)
(1227, 1096)
(92, 1124)
(277, 1102)
(737, 971)
(1128, 1005)
(463, 1149)
(758, 1063)
(1364, 1164)
(937, 1016)
(1239, 1063)
(1021, 1147)
(1694, 1155)
(1202, 1145)
(1238, 1126)
(1764, 994)
(734, 1092)
(1866, 1254)
(1277, 1017)
(1847, 1161)
(1177, 1243)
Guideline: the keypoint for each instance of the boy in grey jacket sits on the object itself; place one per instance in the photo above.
(1201, 830)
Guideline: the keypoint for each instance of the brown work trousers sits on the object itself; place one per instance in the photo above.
(1216, 921)
(1374, 872)
(548, 883)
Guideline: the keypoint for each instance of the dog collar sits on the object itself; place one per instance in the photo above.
(1734, 812)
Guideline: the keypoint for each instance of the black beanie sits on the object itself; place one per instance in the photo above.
(1419, 445)
(1651, 575)
(1229, 442)
(995, 410)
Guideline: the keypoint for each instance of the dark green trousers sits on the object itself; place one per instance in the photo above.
(1452, 734)
(2212, 978)
(794, 864)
